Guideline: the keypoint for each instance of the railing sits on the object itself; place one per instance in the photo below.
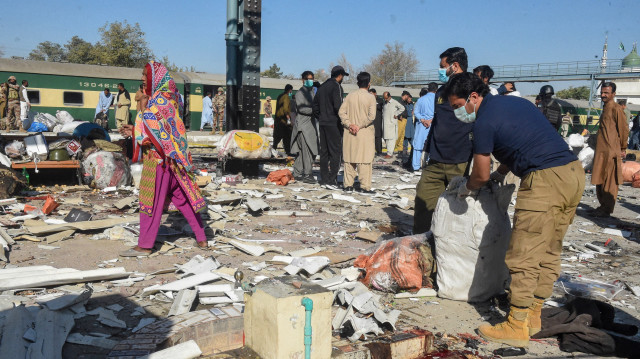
(541, 70)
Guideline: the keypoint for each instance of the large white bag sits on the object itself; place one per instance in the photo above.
(104, 169)
(64, 117)
(471, 238)
(586, 157)
(244, 145)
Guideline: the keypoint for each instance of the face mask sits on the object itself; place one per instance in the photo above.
(462, 114)
(308, 83)
(442, 74)
(290, 94)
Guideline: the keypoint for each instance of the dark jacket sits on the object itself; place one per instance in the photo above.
(327, 102)
(377, 122)
(552, 111)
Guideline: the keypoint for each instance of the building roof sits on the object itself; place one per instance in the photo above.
(633, 59)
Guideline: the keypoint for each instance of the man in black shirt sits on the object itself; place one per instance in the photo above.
(377, 123)
(326, 105)
(448, 145)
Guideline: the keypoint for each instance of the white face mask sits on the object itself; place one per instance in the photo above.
(462, 114)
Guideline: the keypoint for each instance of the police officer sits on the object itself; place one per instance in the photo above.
(219, 101)
(517, 134)
(549, 107)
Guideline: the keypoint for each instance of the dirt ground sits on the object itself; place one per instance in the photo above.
(333, 232)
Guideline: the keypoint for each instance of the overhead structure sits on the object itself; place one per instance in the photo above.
(243, 37)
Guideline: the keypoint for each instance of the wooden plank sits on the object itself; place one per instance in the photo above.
(47, 164)
(52, 329)
(83, 226)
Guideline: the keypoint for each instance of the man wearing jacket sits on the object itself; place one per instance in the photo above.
(377, 123)
(282, 124)
(326, 105)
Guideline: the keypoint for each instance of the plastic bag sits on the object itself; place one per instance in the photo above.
(136, 173)
(472, 236)
(586, 157)
(15, 149)
(38, 127)
(244, 145)
(629, 168)
(268, 122)
(106, 169)
(280, 177)
(575, 140)
(46, 120)
(64, 117)
(71, 126)
(403, 263)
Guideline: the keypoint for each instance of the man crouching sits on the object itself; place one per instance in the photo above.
(519, 136)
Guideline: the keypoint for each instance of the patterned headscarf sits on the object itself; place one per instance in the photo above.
(161, 122)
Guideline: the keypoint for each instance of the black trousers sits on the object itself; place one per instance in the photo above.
(330, 153)
(282, 132)
(378, 145)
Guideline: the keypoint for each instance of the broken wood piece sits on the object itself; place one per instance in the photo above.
(371, 236)
(186, 350)
(57, 277)
(100, 342)
(59, 236)
(183, 302)
(83, 225)
(423, 292)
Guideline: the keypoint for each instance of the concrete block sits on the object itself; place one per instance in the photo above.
(412, 344)
(274, 319)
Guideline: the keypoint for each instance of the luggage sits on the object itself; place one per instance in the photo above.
(104, 169)
(244, 145)
(102, 120)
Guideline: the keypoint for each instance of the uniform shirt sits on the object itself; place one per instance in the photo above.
(449, 139)
(518, 135)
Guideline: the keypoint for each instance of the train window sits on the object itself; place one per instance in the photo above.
(72, 98)
(34, 96)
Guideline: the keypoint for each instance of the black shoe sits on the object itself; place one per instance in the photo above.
(298, 178)
(348, 189)
(367, 191)
(309, 180)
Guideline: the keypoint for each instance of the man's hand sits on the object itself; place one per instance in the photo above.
(497, 176)
(623, 154)
(353, 129)
(119, 105)
(426, 123)
(463, 191)
(126, 130)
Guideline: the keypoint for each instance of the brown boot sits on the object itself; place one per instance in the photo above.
(514, 331)
(535, 324)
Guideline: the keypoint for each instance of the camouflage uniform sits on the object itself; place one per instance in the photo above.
(3, 99)
(219, 101)
(13, 108)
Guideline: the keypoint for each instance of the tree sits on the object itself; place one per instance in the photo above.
(320, 75)
(393, 60)
(272, 72)
(48, 51)
(576, 93)
(122, 44)
(168, 64)
(342, 61)
(80, 51)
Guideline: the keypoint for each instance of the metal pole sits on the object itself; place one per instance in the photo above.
(231, 37)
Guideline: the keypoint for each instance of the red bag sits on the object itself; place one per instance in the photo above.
(403, 263)
(280, 177)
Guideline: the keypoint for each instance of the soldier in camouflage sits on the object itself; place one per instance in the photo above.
(13, 104)
(219, 101)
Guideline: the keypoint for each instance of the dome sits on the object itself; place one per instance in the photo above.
(632, 60)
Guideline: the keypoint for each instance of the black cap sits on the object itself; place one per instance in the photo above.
(337, 70)
(406, 93)
(373, 90)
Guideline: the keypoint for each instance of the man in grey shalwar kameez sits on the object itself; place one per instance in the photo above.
(304, 139)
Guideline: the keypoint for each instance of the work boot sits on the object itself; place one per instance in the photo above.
(514, 331)
(535, 310)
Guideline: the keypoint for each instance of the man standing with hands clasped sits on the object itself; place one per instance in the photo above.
(357, 114)
(520, 138)
(611, 147)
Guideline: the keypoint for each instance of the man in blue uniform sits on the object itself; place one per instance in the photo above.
(519, 136)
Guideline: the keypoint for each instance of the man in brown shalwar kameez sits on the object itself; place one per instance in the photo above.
(358, 148)
(610, 150)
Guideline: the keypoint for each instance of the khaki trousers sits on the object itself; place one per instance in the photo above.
(546, 204)
(402, 124)
(433, 182)
(364, 171)
(13, 115)
(218, 119)
(607, 192)
(3, 107)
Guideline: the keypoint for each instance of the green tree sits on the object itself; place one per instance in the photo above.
(272, 72)
(393, 60)
(122, 44)
(576, 93)
(168, 64)
(48, 51)
(80, 51)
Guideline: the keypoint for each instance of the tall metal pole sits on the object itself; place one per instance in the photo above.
(231, 37)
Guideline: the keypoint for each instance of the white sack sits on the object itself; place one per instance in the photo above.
(586, 157)
(244, 145)
(472, 237)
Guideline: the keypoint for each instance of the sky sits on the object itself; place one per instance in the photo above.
(304, 34)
